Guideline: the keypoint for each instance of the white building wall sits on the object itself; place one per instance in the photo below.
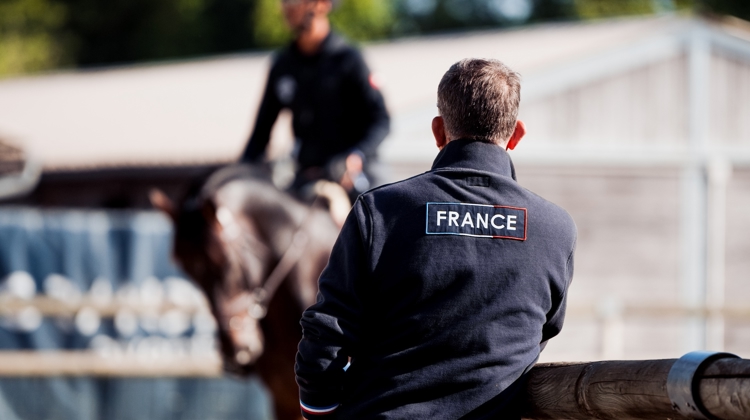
(644, 107)
(730, 101)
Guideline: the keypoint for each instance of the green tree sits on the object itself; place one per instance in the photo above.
(116, 31)
(591, 9)
(359, 20)
(38, 35)
(31, 36)
(269, 28)
(363, 20)
(737, 8)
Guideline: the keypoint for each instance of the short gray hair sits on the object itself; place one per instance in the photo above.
(478, 99)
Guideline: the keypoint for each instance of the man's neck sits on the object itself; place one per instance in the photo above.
(309, 41)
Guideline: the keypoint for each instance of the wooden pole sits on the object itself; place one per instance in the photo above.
(725, 389)
(622, 390)
(41, 364)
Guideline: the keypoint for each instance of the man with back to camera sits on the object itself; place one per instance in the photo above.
(443, 288)
(339, 116)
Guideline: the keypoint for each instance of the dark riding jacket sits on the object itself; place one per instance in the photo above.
(442, 289)
(337, 108)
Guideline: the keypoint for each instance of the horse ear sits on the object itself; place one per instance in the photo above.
(160, 201)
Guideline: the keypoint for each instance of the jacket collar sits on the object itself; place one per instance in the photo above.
(477, 155)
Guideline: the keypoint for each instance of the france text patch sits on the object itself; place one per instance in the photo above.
(478, 220)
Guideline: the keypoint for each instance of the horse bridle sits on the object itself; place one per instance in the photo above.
(256, 300)
(259, 296)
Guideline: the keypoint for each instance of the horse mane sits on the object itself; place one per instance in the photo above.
(231, 173)
(204, 186)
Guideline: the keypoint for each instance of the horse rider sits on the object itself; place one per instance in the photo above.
(441, 290)
(339, 115)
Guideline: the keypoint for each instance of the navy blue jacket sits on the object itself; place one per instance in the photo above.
(336, 107)
(442, 289)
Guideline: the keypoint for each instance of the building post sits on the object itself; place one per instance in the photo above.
(719, 174)
(693, 195)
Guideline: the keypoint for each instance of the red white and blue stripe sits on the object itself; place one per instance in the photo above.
(317, 411)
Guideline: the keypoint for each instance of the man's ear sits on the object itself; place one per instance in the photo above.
(517, 135)
(438, 130)
(324, 7)
(162, 202)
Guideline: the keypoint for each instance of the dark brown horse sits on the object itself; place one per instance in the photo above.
(257, 253)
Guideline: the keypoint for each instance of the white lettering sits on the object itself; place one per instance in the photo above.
(441, 216)
(483, 221)
(493, 221)
(512, 222)
(467, 220)
(452, 218)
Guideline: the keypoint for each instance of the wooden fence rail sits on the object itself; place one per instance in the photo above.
(699, 385)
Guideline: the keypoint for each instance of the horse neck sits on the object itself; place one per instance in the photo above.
(272, 215)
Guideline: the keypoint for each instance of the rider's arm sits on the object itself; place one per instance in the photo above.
(373, 105)
(330, 328)
(267, 114)
(375, 121)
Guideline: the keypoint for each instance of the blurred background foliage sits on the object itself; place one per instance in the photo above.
(32, 36)
(39, 35)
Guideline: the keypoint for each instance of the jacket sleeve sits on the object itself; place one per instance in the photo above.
(267, 114)
(378, 121)
(330, 328)
(556, 315)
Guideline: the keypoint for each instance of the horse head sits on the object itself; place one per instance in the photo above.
(256, 253)
(218, 242)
